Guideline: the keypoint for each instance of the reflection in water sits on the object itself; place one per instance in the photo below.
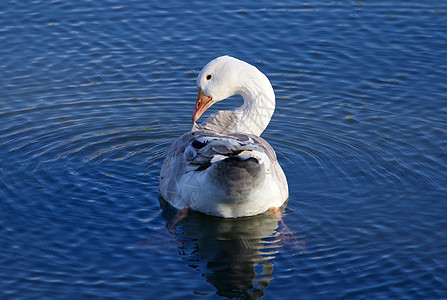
(238, 252)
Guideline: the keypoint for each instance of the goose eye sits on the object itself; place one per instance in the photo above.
(208, 77)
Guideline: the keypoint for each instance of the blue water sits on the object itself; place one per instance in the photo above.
(93, 93)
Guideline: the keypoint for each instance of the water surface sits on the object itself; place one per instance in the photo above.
(94, 92)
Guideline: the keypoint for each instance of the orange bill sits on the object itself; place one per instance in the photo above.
(202, 104)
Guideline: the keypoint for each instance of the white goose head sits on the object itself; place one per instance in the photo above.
(226, 76)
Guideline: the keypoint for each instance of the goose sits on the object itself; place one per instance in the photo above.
(222, 167)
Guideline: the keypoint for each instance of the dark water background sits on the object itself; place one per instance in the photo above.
(92, 93)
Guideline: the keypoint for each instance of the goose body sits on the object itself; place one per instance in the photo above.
(223, 167)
